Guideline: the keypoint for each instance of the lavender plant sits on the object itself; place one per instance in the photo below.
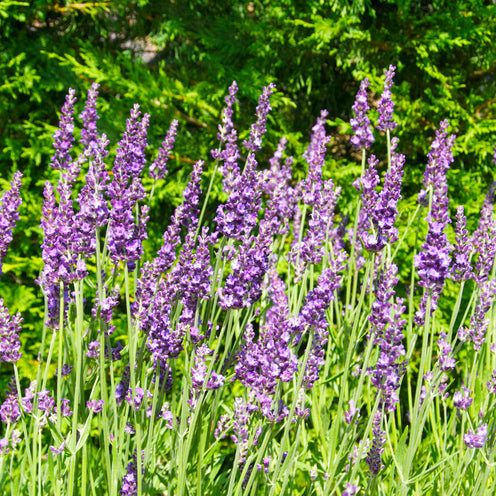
(278, 350)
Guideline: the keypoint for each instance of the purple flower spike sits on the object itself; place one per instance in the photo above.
(433, 262)
(386, 104)
(125, 237)
(446, 362)
(9, 215)
(10, 345)
(462, 400)
(239, 215)
(158, 169)
(360, 125)
(95, 406)
(89, 116)
(461, 270)
(374, 455)
(63, 137)
(227, 135)
(477, 439)
(387, 330)
(258, 129)
(315, 157)
(10, 412)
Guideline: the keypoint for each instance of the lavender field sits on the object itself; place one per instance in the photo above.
(282, 340)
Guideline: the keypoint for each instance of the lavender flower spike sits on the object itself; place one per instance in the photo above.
(9, 204)
(227, 135)
(433, 261)
(158, 169)
(362, 131)
(63, 137)
(258, 129)
(89, 116)
(386, 104)
(10, 344)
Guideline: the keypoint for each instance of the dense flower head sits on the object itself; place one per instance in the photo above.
(93, 209)
(10, 327)
(313, 314)
(360, 125)
(483, 238)
(312, 248)
(125, 236)
(243, 286)
(476, 439)
(10, 412)
(238, 216)
(433, 262)
(439, 159)
(386, 104)
(63, 137)
(446, 361)
(89, 116)
(258, 128)
(158, 168)
(462, 399)
(9, 215)
(387, 330)
(379, 440)
(228, 136)
(461, 270)
(315, 158)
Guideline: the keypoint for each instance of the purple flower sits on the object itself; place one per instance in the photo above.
(199, 378)
(350, 490)
(386, 104)
(352, 414)
(125, 236)
(476, 439)
(462, 400)
(461, 270)
(238, 216)
(258, 128)
(315, 157)
(93, 349)
(129, 486)
(63, 137)
(95, 406)
(227, 135)
(45, 401)
(373, 459)
(89, 116)
(10, 412)
(66, 370)
(243, 285)
(311, 250)
(446, 362)
(59, 450)
(380, 210)
(10, 327)
(240, 427)
(158, 169)
(360, 125)
(479, 322)
(433, 261)
(93, 210)
(387, 331)
(65, 408)
(27, 399)
(9, 205)
(313, 315)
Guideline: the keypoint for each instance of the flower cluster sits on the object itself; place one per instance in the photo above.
(363, 137)
(433, 262)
